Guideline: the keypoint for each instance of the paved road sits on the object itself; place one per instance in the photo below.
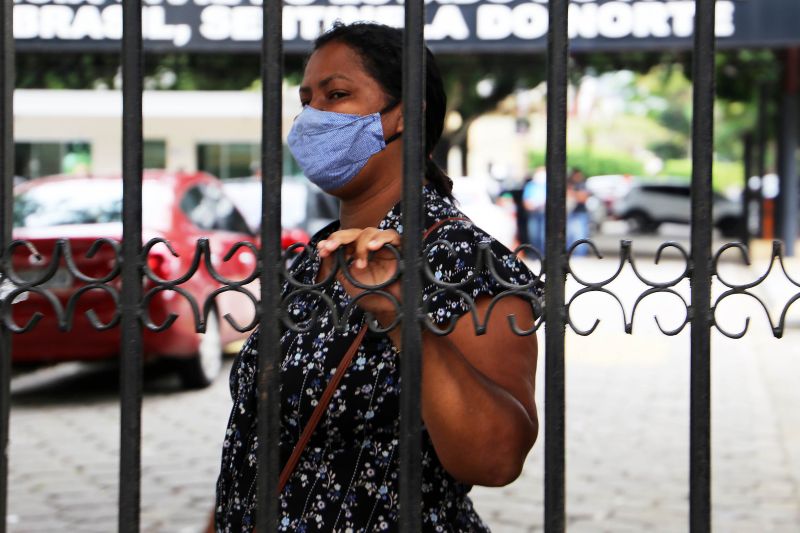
(627, 432)
(628, 424)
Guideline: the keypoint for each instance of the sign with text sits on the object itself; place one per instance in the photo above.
(457, 26)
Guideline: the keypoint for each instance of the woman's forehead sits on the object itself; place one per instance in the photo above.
(334, 61)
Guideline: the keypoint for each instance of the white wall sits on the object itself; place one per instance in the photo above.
(182, 119)
(493, 140)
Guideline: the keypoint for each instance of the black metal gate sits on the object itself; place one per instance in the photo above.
(700, 266)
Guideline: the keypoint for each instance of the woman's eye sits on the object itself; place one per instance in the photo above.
(337, 94)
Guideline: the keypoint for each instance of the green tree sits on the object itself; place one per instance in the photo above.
(504, 73)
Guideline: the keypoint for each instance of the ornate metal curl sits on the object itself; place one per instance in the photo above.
(91, 315)
(38, 284)
(307, 322)
(202, 256)
(430, 275)
(451, 325)
(8, 317)
(654, 287)
(776, 256)
(16, 285)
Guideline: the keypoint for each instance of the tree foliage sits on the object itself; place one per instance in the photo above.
(736, 70)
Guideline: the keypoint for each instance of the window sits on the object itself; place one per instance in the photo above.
(238, 160)
(36, 159)
(228, 160)
(209, 209)
(155, 154)
(228, 217)
(87, 201)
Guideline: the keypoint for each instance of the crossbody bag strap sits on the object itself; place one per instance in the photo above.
(441, 222)
(319, 410)
(333, 384)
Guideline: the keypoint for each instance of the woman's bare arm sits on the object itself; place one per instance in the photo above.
(478, 394)
(477, 391)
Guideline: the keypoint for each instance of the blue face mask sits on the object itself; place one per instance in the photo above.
(331, 148)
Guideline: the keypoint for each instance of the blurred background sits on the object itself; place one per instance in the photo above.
(629, 159)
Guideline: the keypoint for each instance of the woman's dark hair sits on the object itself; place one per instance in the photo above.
(381, 50)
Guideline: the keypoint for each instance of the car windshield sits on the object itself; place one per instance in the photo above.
(98, 201)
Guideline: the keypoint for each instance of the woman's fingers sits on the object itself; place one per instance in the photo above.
(361, 251)
(372, 242)
(362, 242)
(336, 240)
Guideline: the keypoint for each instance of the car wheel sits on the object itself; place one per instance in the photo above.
(640, 222)
(200, 370)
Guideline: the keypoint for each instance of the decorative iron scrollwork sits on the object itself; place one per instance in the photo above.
(745, 289)
(64, 304)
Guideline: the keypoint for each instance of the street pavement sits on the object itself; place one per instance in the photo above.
(627, 427)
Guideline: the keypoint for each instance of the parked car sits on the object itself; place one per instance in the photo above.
(304, 206)
(472, 197)
(609, 189)
(649, 204)
(177, 207)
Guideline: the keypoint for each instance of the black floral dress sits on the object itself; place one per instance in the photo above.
(348, 476)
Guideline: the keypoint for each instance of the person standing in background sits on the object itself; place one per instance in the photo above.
(521, 214)
(534, 196)
(578, 214)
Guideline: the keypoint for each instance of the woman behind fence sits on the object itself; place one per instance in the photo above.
(477, 390)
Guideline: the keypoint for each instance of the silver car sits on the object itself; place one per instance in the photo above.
(648, 205)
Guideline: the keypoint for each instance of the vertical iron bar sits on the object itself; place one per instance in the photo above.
(747, 142)
(269, 339)
(702, 151)
(790, 116)
(555, 268)
(6, 202)
(413, 170)
(762, 156)
(131, 349)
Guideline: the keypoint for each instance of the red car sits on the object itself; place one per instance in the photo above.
(177, 207)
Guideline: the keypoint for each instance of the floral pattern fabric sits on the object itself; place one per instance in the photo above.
(347, 479)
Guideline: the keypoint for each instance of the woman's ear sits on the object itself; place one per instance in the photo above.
(393, 121)
(400, 115)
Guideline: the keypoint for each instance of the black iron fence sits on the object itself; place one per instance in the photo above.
(700, 267)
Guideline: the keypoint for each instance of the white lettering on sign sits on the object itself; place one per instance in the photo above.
(651, 20)
(26, 22)
(725, 25)
(88, 22)
(93, 22)
(220, 23)
(619, 20)
(615, 20)
(682, 18)
(447, 23)
(494, 23)
(582, 21)
(155, 27)
(307, 23)
(359, 2)
(525, 21)
(530, 21)
(451, 20)
(54, 22)
(215, 23)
